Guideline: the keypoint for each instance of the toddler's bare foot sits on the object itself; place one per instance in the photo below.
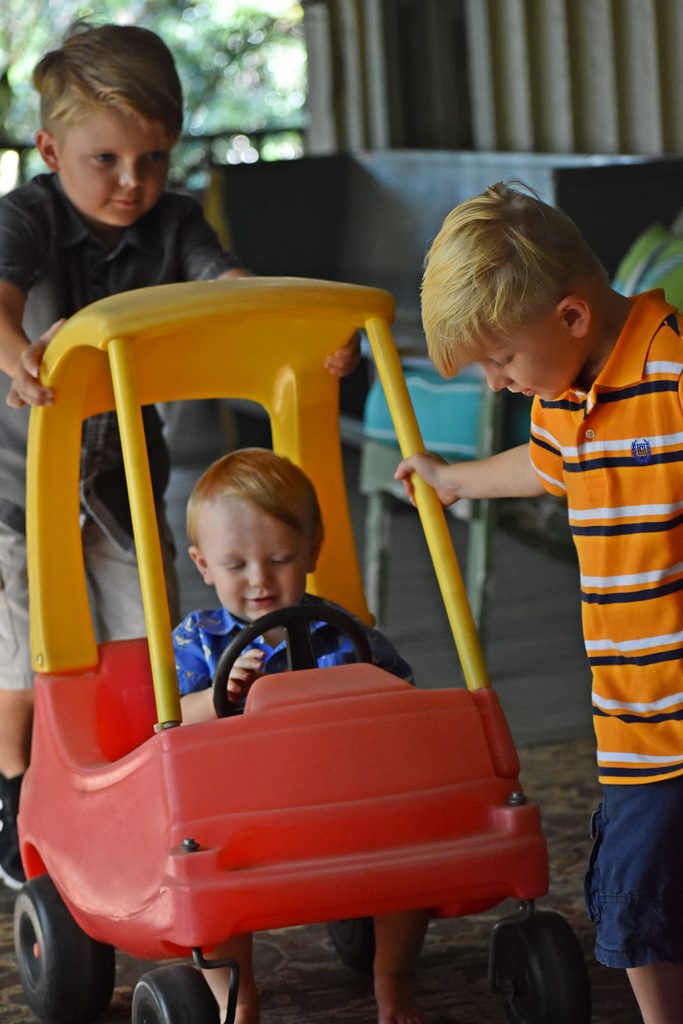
(395, 1001)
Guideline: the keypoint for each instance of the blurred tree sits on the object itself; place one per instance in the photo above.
(242, 64)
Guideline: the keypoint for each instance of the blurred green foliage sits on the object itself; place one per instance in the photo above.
(242, 64)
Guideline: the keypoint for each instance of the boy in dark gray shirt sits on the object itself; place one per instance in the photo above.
(100, 223)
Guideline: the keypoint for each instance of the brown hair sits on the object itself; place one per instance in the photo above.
(121, 66)
(274, 484)
(499, 260)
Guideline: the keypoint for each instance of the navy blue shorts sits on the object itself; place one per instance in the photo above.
(634, 882)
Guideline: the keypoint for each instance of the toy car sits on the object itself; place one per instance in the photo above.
(359, 794)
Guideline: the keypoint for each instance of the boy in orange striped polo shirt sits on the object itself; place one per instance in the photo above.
(511, 285)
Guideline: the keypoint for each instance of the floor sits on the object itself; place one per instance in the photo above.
(533, 650)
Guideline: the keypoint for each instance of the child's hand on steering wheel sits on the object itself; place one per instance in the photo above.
(244, 672)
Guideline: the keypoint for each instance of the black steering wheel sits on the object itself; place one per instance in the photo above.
(295, 619)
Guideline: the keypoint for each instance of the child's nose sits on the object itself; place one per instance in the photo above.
(495, 380)
(258, 574)
(129, 174)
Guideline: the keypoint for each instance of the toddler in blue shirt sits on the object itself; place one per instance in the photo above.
(255, 532)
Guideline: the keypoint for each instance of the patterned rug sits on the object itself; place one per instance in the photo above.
(303, 981)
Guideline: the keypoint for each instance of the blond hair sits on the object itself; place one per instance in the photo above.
(274, 484)
(120, 66)
(499, 260)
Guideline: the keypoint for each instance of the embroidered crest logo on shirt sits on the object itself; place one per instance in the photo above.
(641, 451)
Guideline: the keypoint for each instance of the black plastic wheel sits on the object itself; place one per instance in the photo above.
(66, 975)
(354, 940)
(539, 970)
(173, 994)
(300, 655)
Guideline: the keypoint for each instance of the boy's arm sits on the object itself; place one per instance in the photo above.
(20, 358)
(196, 661)
(508, 474)
(197, 707)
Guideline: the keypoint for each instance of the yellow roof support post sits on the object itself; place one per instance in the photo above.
(146, 533)
(429, 507)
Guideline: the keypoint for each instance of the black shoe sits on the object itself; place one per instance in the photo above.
(11, 870)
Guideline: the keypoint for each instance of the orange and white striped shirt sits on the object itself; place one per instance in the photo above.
(616, 453)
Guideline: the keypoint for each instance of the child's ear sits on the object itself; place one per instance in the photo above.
(576, 315)
(202, 568)
(316, 544)
(46, 145)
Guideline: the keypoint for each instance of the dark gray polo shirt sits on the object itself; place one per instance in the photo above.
(47, 251)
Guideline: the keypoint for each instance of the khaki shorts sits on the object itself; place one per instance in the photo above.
(113, 587)
(15, 658)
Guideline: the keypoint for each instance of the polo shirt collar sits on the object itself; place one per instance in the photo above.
(220, 622)
(626, 364)
(142, 235)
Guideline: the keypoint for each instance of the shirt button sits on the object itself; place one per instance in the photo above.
(590, 434)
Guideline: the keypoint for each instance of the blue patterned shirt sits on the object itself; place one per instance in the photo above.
(202, 636)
